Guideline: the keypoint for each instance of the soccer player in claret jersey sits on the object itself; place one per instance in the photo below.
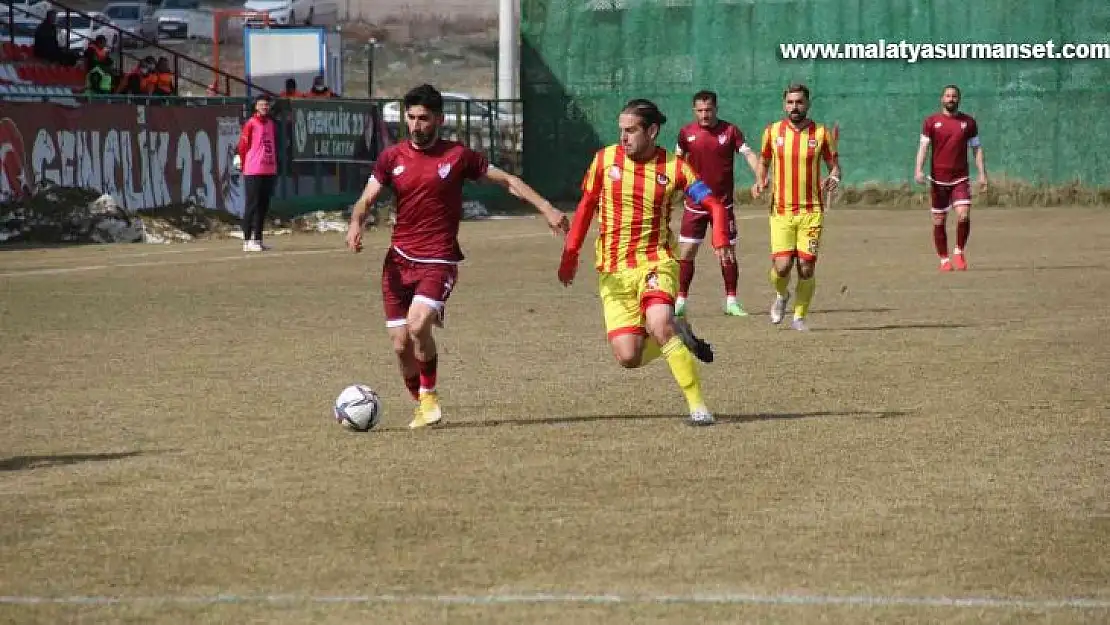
(427, 175)
(709, 144)
(950, 133)
(631, 185)
(796, 145)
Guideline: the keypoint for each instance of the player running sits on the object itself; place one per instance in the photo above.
(950, 133)
(796, 145)
(709, 144)
(427, 175)
(631, 185)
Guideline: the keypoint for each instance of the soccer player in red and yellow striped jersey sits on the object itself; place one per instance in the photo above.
(796, 146)
(632, 185)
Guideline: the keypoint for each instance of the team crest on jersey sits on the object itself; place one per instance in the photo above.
(615, 172)
(963, 125)
(937, 124)
(813, 143)
(779, 141)
(444, 169)
(398, 170)
(721, 139)
(662, 179)
(691, 138)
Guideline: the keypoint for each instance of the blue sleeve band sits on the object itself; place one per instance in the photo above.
(698, 191)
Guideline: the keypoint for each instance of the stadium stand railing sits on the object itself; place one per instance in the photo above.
(23, 76)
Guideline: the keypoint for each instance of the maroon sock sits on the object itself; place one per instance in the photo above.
(940, 239)
(963, 231)
(731, 273)
(428, 374)
(685, 276)
(413, 384)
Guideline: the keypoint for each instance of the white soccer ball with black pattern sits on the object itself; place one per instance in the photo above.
(358, 408)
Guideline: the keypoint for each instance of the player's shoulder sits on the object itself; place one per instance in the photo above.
(964, 117)
(449, 146)
(391, 152)
(727, 126)
(688, 128)
(680, 164)
(608, 152)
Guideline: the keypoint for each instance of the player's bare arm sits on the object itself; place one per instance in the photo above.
(583, 217)
(359, 213)
(980, 162)
(752, 159)
(919, 164)
(832, 181)
(763, 167)
(556, 220)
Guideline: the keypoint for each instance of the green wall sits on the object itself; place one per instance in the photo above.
(1040, 120)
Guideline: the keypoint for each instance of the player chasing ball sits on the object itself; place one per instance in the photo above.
(950, 133)
(795, 146)
(709, 144)
(420, 270)
(631, 186)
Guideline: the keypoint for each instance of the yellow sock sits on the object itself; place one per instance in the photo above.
(650, 352)
(685, 371)
(781, 283)
(804, 295)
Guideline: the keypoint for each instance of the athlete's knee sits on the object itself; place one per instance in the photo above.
(399, 337)
(688, 250)
(421, 318)
(806, 268)
(939, 219)
(626, 349)
(782, 265)
(659, 323)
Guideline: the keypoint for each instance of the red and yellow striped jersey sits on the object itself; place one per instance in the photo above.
(796, 156)
(634, 201)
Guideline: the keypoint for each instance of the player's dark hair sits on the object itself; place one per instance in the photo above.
(426, 96)
(947, 87)
(796, 88)
(646, 110)
(705, 96)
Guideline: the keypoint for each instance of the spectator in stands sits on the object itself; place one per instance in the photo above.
(96, 53)
(320, 89)
(46, 46)
(99, 79)
(163, 77)
(139, 81)
(291, 89)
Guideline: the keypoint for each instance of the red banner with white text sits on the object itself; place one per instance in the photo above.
(144, 156)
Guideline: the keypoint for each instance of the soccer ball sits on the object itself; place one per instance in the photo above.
(358, 408)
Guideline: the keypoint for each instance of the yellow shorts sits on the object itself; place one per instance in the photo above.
(796, 235)
(627, 293)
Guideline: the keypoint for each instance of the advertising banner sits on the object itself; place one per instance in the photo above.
(335, 131)
(144, 156)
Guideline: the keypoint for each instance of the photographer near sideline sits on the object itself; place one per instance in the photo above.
(256, 157)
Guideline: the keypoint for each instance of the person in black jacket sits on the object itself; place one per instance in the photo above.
(46, 45)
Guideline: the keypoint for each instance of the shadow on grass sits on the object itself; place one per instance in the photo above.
(722, 419)
(24, 463)
(898, 326)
